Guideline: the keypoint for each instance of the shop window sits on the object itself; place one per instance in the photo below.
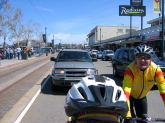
(120, 30)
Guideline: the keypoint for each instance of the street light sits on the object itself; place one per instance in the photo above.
(45, 36)
(100, 38)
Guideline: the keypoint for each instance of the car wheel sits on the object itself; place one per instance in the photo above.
(102, 58)
(115, 73)
(54, 87)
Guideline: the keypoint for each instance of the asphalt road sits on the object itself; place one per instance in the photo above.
(49, 106)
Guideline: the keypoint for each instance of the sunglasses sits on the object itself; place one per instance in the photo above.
(145, 57)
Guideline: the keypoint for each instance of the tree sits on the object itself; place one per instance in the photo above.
(16, 25)
(6, 17)
(2, 2)
(31, 30)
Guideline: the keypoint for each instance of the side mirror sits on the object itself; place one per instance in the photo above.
(52, 59)
(160, 58)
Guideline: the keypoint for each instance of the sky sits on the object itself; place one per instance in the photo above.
(70, 21)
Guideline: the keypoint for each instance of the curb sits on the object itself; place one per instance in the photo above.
(22, 61)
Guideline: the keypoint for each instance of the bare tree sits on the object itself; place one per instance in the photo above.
(6, 17)
(32, 30)
(16, 26)
(2, 2)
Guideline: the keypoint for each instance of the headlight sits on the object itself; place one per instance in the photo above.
(91, 71)
(58, 72)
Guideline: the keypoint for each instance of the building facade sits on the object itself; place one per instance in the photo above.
(101, 33)
(122, 38)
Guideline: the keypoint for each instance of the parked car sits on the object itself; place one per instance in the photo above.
(70, 66)
(1, 54)
(107, 55)
(99, 54)
(124, 56)
(93, 54)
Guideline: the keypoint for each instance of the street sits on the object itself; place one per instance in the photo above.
(49, 106)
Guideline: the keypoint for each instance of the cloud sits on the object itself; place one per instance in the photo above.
(45, 9)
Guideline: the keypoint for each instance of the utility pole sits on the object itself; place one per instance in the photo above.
(162, 30)
(100, 38)
(45, 36)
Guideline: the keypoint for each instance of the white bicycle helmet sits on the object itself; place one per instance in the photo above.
(144, 49)
(96, 93)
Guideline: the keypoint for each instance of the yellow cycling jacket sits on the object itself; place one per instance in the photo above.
(138, 83)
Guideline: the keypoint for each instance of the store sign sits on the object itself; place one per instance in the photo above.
(157, 6)
(136, 2)
(125, 10)
(153, 37)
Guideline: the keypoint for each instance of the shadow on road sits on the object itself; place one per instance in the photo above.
(118, 80)
(47, 89)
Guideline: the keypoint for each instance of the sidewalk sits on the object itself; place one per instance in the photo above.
(9, 62)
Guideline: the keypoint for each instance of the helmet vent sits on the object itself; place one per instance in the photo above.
(102, 92)
(82, 92)
(99, 78)
(118, 94)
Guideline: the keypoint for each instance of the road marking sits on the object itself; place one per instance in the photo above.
(31, 102)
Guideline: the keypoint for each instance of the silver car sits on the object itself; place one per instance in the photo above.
(107, 55)
(70, 66)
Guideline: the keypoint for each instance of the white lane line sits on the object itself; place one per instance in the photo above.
(31, 102)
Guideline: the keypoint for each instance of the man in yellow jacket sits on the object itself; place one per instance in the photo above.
(139, 78)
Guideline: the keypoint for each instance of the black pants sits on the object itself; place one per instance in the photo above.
(138, 106)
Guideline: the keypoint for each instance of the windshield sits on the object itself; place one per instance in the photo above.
(94, 51)
(73, 56)
(155, 58)
(110, 52)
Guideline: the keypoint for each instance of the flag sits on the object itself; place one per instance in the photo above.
(86, 39)
(157, 6)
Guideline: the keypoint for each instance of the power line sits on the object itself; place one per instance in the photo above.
(39, 13)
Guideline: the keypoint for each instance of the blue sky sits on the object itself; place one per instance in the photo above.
(72, 20)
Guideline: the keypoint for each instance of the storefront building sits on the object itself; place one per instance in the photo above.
(150, 36)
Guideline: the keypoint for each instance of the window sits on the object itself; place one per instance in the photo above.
(120, 30)
(132, 56)
(128, 30)
(125, 55)
(121, 54)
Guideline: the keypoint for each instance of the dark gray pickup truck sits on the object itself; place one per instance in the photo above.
(70, 66)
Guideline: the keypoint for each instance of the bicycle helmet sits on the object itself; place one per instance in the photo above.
(144, 49)
(95, 94)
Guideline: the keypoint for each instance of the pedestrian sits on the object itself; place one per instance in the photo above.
(1, 54)
(18, 52)
(15, 52)
(139, 78)
(30, 53)
(7, 52)
(11, 53)
(157, 52)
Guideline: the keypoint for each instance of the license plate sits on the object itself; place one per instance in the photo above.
(72, 83)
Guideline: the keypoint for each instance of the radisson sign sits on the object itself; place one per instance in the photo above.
(125, 10)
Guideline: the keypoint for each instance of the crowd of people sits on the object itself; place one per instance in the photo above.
(13, 52)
